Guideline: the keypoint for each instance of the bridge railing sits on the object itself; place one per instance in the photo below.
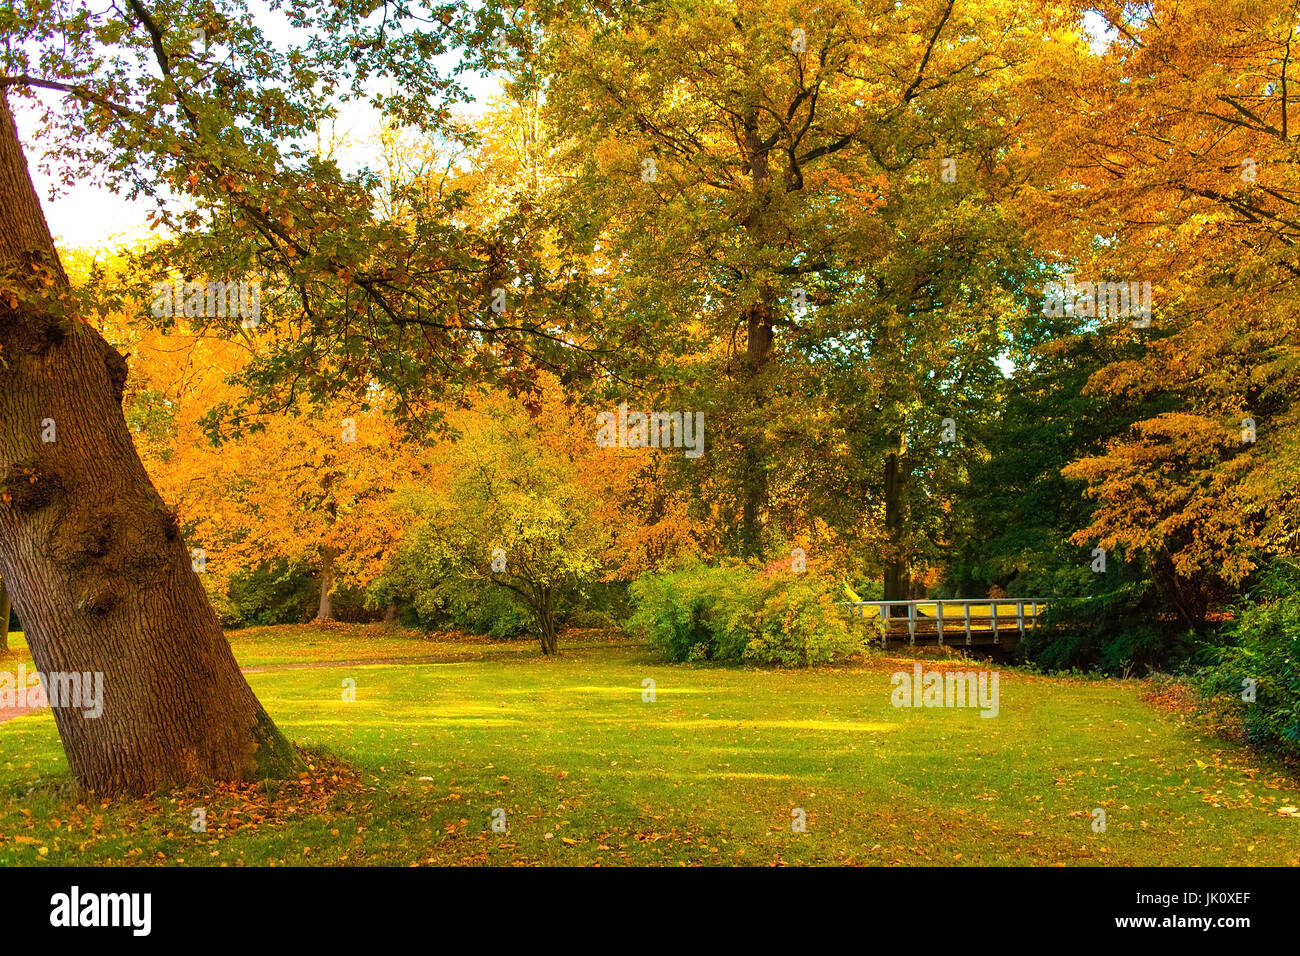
(961, 617)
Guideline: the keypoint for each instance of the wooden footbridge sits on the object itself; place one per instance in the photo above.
(1000, 622)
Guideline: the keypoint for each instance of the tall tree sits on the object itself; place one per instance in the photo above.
(1180, 169)
(760, 174)
(190, 98)
(93, 558)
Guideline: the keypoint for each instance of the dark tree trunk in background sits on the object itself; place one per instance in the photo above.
(326, 610)
(546, 621)
(759, 341)
(92, 557)
(897, 586)
(758, 355)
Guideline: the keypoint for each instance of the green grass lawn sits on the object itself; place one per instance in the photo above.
(709, 772)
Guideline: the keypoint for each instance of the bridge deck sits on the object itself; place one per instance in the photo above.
(956, 622)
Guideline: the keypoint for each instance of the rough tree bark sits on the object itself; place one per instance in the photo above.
(93, 558)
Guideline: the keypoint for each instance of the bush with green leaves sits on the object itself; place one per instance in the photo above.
(511, 517)
(800, 624)
(698, 612)
(735, 613)
(434, 599)
(280, 592)
(1262, 652)
(1121, 631)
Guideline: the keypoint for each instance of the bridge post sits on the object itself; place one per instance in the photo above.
(938, 606)
(1020, 618)
(911, 622)
(966, 607)
(994, 606)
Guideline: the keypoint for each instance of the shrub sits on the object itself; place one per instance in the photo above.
(470, 606)
(602, 604)
(1262, 644)
(697, 613)
(1117, 632)
(513, 517)
(437, 599)
(735, 613)
(800, 625)
(272, 592)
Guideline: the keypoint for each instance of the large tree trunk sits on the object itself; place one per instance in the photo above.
(326, 609)
(758, 355)
(897, 585)
(4, 618)
(759, 341)
(93, 559)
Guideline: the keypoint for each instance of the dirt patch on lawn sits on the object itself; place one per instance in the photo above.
(9, 713)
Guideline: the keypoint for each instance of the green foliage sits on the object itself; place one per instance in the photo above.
(433, 599)
(280, 592)
(734, 613)
(274, 592)
(1017, 528)
(150, 416)
(870, 590)
(1020, 528)
(698, 612)
(602, 604)
(800, 625)
(437, 599)
(1263, 645)
(513, 519)
(1119, 632)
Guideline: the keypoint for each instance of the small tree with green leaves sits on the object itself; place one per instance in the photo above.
(509, 513)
